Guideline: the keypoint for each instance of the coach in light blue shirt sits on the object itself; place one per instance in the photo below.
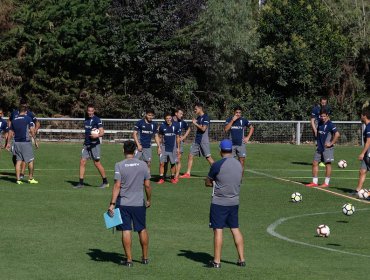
(225, 177)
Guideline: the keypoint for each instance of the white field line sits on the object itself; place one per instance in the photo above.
(271, 229)
(298, 183)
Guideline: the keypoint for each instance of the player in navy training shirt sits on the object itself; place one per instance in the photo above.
(143, 133)
(91, 147)
(169, 132)
(364, 156)
(200, 146)
(22, 128)
(315, 114)
(4, 129)
(327, 136)
(236, 126)
(13, 115)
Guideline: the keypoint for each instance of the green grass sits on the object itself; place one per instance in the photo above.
(51, 231)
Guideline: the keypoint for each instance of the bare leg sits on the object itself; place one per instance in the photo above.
(82, 168)
(242, 162)
(178, 166)
(30, 170)
(173, 169)
(144, 242)
(217, 245)
(161, 168)
(315, 168)
(18, 169)
(126, 242)
(239, 242)
(361, 179)
(190, 163)
(23, 169)
(328, 170)
(100, 167)
(210, 160)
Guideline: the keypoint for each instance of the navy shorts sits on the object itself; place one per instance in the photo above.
(135, 215)
(223, 216)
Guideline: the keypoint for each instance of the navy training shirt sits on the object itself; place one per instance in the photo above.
(367, 134)
(90, 123)
(169, 133)
(202, 136)
(146, 131)
(325, 133)
(15, 113)
(316, 112)
(20, 126)
(183, 125)
(237, 130)
(3, 125)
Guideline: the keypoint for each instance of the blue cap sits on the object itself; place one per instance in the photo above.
(226, 145)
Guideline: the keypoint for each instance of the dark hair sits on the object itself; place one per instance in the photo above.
(149, 111)
(198, 104)
(22, 108)
(178, 109)
(22, 101)
(324, 110)
(238, 108)
(366, 112)
(129, 147)
(90, 106)
(323, 98)
(165, 115)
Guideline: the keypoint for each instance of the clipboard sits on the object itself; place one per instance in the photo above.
(112, 221)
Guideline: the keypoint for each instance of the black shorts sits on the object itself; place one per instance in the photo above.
(132, 215)
(223, 216)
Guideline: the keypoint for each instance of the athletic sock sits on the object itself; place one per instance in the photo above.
(81, 181)
(315, 180)
(105, 181)
(327, 180)
(161, 176)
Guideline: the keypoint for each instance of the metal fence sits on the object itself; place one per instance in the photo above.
(117, 130)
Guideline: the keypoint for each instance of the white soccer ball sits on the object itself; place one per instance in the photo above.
(363, 194)
(342, 163)
(296, 197)
(323, 230)
(94, 131)
(348, 209)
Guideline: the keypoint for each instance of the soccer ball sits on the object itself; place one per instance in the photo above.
(323, 230)
(94, 131)
(342, 163)
(363, 194)
(348, 209)
(296, 197)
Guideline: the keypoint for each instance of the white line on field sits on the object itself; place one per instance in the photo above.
(301, 184)
(271, 229)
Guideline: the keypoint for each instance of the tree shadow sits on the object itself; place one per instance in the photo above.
(301, 163)
(75, 183)
(101, 256)
(200, 257)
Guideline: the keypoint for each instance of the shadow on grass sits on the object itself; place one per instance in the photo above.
(200, 257)
(334, 244)
(7, 176)
(343, 222)
(101, 256)
(345, 190)
(75, 183)
(301, 163)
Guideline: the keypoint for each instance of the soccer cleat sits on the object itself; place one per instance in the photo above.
(161, 181)
(213, 264)
(144, 261)
(312, 185)
(240, 263)
(19, 182)
(33, 181)
(79, 186)
(321, 164)
(127, 263)
(103, 186)
(185, 175)
(324, 185)
(174, 181)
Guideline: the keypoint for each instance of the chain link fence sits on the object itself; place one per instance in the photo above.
(118, 130)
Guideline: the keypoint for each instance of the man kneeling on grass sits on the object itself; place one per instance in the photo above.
(225, 177)
(131, 179)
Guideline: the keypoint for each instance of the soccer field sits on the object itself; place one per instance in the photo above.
(52, 231)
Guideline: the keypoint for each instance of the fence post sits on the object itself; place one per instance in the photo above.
(298, 133)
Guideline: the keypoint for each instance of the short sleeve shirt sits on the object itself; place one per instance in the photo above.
(3, 125)
(20, 126)
(146, 131)
(131, 173)
(367, 134)
(227, 175)
(325, 133)
(202, 136)
(169, 133)
(15, 113)
(183, 125)
(237, 130)
(315, 113)
(91, 123)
